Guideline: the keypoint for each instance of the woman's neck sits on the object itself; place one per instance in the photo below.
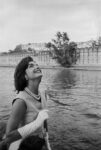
(33, 87)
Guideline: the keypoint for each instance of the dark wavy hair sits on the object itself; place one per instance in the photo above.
(19, 75)
(32, 143)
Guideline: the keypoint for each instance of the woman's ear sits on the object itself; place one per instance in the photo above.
(26, 77)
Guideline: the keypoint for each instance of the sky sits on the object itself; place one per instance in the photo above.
(34, 21)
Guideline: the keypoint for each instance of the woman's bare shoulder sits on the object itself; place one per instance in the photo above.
(19, 107)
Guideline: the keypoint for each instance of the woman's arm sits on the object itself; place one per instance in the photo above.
(11, 137)
(25, 130)
(17, 115)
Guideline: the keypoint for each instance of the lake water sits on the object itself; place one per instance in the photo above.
(74, 101)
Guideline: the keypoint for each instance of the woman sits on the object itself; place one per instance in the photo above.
(29, 101)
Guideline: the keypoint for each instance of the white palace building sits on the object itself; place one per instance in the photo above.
(36, 50)
(89, 54)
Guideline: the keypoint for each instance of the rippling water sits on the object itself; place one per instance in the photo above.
(74, 101)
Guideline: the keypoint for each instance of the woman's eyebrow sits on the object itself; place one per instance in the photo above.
(31, 63)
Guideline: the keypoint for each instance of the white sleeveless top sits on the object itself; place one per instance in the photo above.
(32, 111)
(33, 106)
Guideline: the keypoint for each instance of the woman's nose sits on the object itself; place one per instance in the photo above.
(36, 66)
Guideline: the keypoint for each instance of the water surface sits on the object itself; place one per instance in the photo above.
(74, 101)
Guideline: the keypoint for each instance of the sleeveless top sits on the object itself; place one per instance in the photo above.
(31, 113)
(32, 108)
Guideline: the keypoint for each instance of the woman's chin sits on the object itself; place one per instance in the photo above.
(38, 76)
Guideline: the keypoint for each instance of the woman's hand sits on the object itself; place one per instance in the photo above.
(43, 114)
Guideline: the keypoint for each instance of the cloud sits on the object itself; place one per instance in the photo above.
(23, 21)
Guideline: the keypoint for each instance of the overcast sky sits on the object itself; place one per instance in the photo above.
(29, 21)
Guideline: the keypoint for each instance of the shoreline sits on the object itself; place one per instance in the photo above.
(75, 67)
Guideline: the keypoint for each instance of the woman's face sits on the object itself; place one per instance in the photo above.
(33, 71)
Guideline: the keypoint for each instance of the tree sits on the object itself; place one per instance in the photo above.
(99, 40)
(18, 48)
(65, 51)
(10, 51)
(30, 49)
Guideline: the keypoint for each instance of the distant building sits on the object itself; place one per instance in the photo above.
(85, 44)
(99, 40)
(38, 51)
(89, 53)
(34, 46)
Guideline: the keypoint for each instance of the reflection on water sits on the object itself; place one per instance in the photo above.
(74, 101)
